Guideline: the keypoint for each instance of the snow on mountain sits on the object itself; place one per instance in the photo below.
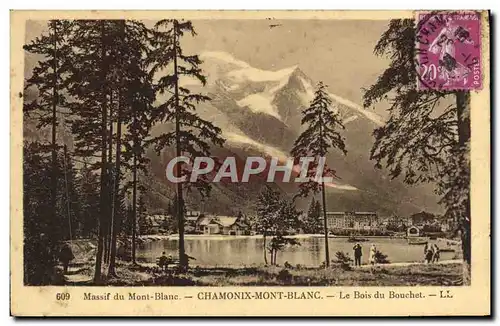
(260, 112)
(258, 75)
(223, 57)
(260, 102)
(350, 119)
(372, 116)
(241, 139)
(260, 87)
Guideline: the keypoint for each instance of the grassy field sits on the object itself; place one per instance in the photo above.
(438, 274)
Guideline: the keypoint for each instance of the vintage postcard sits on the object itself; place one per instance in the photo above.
(250, 163)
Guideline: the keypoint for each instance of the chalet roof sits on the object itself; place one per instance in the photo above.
(241, 224)
(225, 220)
(205, 220)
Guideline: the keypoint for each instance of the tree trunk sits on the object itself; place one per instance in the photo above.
(67, 196)
(110, 194)
(53, 196)
(265, 249)
(463, 118)
(325, 226)
(183, 261)
(116, 202)
(323, 196)
(116, 198)
(103, 182)
(134, 200)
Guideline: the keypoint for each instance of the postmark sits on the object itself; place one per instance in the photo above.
(448, 51)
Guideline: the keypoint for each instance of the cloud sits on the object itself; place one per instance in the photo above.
(239, 139)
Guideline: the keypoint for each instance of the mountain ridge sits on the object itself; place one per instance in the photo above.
(260, 115)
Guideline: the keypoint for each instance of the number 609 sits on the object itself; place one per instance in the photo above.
(63, 296)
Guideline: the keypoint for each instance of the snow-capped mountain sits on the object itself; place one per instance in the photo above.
(259, 112)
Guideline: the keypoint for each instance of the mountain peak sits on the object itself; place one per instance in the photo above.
(257, 88)
(240, 71)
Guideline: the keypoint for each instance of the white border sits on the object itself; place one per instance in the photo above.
(214, 4)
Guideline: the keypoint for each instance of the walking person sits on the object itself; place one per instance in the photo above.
(65, 256)
(373, 251)
(358, 252)
(436, 253)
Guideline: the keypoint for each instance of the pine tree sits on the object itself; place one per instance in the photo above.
(284, 219)
(48, 79)
(89, 201)
(88, 86)
(425, 139)
(267, 206)
(139, 96)
(321, 135)
(70, 199)
(42, 230)
(312, 222)
(192, 136)
(134, 96)
(142, 218)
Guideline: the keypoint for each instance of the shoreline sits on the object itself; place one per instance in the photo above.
(366, 265)
(175, 236)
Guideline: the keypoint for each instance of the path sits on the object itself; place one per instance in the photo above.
(442, 262)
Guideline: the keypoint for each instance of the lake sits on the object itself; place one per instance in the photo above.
(237, 250)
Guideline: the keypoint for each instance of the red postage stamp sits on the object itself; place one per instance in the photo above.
(448, 51)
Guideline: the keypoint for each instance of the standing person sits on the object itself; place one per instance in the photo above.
(65, 256)
(428, 255)
(358, 252)
(373, 251)
(426, 247)
(436, 254)
(163, 261)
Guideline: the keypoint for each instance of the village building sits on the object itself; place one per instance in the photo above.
(226, 225)
(352, 220)
(152, 224)
(199, 223)
(191, 221)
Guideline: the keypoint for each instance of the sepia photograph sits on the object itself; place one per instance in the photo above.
(261, 151)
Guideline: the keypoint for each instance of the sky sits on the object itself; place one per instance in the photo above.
(339, 53)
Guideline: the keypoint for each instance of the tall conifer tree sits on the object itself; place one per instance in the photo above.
(88, 86)
(49, 79)
(134, 100)
(323, 122)
(425, 139)
(192, 136)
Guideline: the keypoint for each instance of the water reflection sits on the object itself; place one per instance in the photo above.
(229, 250)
